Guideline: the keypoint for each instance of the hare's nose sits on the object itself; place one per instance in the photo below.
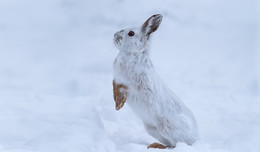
(117, 37)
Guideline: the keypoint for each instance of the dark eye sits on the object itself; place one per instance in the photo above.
(131, 33)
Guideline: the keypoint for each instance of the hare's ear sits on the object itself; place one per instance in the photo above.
(151, 24)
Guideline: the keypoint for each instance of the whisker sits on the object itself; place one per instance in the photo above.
(111, 49)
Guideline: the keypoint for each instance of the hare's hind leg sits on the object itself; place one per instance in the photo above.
(156, 145)
(153, 131)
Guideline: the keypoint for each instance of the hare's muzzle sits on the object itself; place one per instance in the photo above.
(117, 38)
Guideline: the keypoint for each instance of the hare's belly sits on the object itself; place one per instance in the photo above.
(140, 107)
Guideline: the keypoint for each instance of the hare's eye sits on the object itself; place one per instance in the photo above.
(131, 33)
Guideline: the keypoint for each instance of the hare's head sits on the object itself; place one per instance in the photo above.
(136, 39)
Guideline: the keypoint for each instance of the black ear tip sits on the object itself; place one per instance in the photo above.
(158, 16)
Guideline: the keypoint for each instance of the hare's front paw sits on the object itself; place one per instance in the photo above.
(120, 94)
(120, 100)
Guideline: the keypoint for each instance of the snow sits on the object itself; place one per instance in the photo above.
(56, 61)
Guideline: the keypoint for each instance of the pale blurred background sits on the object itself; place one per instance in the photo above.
(56, 61)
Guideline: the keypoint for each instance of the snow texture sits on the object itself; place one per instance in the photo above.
(56, 60)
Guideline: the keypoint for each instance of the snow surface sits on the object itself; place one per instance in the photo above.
(56, 61)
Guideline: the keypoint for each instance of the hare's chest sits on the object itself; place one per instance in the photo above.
(124, 71)
(120, 72)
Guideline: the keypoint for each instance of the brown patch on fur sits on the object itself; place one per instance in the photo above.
(120, 94)
(156, 145)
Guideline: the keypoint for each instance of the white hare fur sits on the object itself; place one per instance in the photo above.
(164, 116)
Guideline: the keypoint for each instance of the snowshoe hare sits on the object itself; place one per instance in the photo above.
(164, 116)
